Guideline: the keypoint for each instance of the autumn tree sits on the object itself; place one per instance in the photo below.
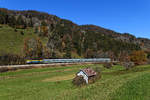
(124, 56)
(46, 52)
(89, 53)
(148, 54)
(138, 57)
(33, 48)
(12, 21)
(44, 28)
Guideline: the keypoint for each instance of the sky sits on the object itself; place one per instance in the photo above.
(125, 16)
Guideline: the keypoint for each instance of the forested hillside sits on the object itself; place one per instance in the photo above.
(36, 35)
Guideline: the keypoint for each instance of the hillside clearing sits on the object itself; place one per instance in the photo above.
(12, 41)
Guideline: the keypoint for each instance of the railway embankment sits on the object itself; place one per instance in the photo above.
(6, 68)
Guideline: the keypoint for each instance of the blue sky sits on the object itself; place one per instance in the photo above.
(132, 16)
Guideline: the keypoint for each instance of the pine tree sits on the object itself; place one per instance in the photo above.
(43, 23)
(2, 19)
(12, 21)
(68, 47)
(20, 22)
(30, 24)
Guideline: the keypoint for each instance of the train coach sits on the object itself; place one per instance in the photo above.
(48, 61)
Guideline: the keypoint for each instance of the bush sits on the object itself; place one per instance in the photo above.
(97, 77)
(3, 69)
(115, 63)
(11, 59)
(78, 81)
(148, 61)
(97, 70)
(108, 65)
(15, 30)
(128, 65)
(22, 33)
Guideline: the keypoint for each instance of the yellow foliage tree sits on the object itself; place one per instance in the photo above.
(138, 57)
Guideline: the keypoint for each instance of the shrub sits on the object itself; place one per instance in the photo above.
(115, 63)
(148, 61)
(11, 59)
(97, 70)
(3, 69)
(97, 77)
(78, 81)
(15, 30)
(108, 65)
(128, 65)
(22, 33)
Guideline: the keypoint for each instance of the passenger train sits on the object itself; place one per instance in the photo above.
(49, 61)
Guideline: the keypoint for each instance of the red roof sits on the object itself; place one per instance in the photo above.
(89, 72)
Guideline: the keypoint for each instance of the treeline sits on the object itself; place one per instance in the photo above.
(14, 21)
(11, 59)
(24, 19)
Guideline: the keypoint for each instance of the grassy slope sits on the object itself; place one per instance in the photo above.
(12, 42)
(116, 84)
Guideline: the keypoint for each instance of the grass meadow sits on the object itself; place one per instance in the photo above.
(55, 83)
(12, 41)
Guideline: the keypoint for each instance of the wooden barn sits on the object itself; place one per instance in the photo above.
(87, 74)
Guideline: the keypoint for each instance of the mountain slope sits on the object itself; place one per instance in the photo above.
(65, 39)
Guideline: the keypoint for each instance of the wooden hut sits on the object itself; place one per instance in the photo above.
(87, 74)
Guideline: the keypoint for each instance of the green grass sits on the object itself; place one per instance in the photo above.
(12, 42)
(115, 84)
(136, 89)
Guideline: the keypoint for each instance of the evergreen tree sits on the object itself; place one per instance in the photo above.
(68, 47)
(2, 19)
(12, 21)
(30, 24)
(43, 23)
(20, 21)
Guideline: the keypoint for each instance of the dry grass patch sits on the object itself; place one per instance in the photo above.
(59, 78)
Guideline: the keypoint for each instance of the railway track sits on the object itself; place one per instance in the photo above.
(6, 68)
(38, 65)
(29, 65)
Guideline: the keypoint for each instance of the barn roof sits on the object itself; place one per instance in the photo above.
(89, 72)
